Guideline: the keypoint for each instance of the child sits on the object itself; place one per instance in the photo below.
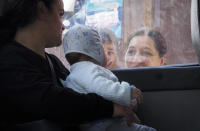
(110, 45)
(84, 52)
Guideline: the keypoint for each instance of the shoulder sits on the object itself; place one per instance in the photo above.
(60, 69)
(8, 50)
(14, 54)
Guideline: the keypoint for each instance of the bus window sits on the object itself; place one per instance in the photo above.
(170, 19)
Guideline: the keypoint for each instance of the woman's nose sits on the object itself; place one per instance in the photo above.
(63, 27)
(138, 60)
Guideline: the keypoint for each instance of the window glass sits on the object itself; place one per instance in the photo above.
(143, 32)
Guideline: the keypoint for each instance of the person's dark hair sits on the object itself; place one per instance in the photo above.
(159, 40)
(74, 57)
(15, 14)
(108, 35)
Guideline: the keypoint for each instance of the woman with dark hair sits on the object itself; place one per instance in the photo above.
(146, 47)
(30, 87)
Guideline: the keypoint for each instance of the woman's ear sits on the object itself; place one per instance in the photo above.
(43, 11)
(163, 60)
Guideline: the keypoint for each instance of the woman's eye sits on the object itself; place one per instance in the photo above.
(61, 14)
(110, 53)
(131, 52)
(146, 53)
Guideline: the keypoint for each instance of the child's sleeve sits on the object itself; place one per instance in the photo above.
(106, 84)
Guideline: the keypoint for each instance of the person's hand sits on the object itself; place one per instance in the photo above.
(136, 94)
(134, 104)
(127, 112)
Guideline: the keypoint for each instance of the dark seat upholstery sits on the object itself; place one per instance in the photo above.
(171, 96)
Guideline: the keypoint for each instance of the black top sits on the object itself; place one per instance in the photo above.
(27, 92)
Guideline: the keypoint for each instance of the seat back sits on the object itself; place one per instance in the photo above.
(171, 96)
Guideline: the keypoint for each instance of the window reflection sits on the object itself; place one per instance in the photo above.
(110, 45)
(169, 17)
(146, 48)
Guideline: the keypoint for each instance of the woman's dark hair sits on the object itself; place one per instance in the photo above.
(159, 40)
(15, 14)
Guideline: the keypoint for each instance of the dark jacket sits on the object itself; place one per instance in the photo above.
(28, 94)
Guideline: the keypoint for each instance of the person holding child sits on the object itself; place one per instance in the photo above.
(31, 94)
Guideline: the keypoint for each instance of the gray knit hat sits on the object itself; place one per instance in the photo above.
(85, 40)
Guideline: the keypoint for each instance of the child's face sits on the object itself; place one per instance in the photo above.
(110, 54)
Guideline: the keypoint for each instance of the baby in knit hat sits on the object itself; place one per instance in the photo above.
(84, 52)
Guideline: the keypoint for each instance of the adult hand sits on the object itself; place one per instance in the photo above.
(136, 93)
(126, 112)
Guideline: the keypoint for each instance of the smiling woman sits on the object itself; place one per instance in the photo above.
(145, 48)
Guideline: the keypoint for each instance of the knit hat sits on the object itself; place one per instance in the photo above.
(85, 40)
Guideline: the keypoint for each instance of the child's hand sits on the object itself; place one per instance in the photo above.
(134, 104)
(136, 94)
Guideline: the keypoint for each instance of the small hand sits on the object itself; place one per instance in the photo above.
(134, 104)
(136, 93)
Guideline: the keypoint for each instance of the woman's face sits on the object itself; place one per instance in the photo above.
(54, 24)
(110, 53)
(141, 52)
